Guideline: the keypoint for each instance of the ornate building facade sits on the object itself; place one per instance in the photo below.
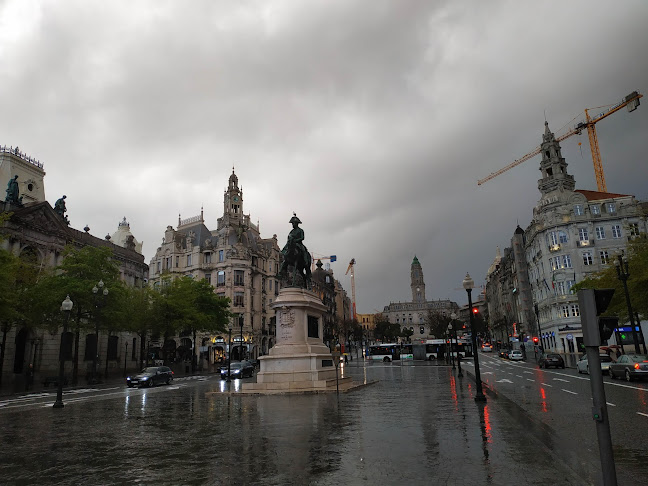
(38, 234)
(237, 262)
(413, 315)
(574, 233)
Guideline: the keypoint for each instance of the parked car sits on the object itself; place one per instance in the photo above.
(487, 348)
(515, 355)
(547, 360)
(583, 366)
(151, 376)
(630, 366)
(504, 353)
(238, 369)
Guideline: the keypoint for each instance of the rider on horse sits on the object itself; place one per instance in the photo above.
(294, 252)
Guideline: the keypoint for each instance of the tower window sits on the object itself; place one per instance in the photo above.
(549, 172)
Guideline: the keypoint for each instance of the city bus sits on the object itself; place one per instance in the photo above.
(438, 348)
(406, 351)
(384, 352)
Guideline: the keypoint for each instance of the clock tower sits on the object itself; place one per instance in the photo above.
(418, 285)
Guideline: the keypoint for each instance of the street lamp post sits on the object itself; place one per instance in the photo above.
(66, 306)
(453, 316)
(468, 284)
(229, 353)
(98, 305)
(450, 340)
(621, 264)
(241, 341)
(125, 354)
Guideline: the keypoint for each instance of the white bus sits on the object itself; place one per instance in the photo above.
(406, 351)
(384, 352)
(438, 348)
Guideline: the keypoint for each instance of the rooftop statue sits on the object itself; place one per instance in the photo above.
(295, 256)
(13, 192)
(60, 209)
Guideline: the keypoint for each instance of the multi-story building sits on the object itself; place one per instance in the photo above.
(37, 234)
(574, 233)
(237, 262)
(413, 315)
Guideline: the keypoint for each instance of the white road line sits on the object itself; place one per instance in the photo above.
(519, 376)
(611, 404)
(529, 372)
(568, 391)
(529, 379)
(644, 414)
(546, 384)
(560, 379)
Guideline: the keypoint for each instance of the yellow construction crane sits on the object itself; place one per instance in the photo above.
(631, 101)
(350, 269)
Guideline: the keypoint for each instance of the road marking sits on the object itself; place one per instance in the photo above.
(546, 384)
(560, 379)
(487, 373)
(644, 414)
(529, 372)
(519, 376)
(611, 404)
(529, 379)
(504, 381)
(568, 391)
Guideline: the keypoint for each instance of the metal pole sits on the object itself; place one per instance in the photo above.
(459, 373)
(229, 355)
(125, 354)
(59, 392)
(479, 397)
(451, 351)
(241, 341)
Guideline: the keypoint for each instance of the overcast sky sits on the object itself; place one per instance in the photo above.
(372, 120)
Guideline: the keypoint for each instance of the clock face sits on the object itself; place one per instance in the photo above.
(235, 199)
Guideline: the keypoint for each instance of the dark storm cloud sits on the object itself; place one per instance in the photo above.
(372, 119)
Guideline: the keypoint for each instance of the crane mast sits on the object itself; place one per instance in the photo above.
(350, 268)
(631, 101)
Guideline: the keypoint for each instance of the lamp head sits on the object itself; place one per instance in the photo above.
(100, 284)
(450, 326)
(105, 292)
(66, 305)
(95, 289)
(453, 316)
(468, 282)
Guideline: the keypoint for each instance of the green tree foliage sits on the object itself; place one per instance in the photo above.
(438, 324)
(184, 304)
(406, 333)
(637, 254)
(385, 331)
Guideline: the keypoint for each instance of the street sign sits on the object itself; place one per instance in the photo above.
(570, 336)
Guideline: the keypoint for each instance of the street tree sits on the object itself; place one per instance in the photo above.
(81, 269)
(386, 331)
(437, 323)
(637, 254)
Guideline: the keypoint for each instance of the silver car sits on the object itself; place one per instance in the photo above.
(583, 366)
(515, 355)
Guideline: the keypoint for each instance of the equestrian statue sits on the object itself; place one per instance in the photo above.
(296, 255)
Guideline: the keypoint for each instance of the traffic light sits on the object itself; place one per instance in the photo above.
(607, 325)
(535, 339)
(475, 310)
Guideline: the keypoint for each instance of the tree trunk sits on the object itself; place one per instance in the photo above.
(107, 345)
(5, 330)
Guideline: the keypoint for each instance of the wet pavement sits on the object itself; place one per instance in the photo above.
(417, 425)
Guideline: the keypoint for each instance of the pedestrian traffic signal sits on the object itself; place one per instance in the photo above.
(607, 325)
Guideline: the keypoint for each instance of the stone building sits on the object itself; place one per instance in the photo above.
(574, 233)
(35, 232)
(237, 262)
(413, 315)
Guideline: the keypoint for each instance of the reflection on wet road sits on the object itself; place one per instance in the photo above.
(418, 425)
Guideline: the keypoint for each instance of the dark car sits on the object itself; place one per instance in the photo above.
(547, 360)
(238, 369)
(151, 376)
(630, 366)
(503, 353)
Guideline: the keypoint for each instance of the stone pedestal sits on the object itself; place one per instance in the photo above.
(299, 361)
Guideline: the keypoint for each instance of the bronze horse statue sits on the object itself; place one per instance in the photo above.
(296, 255)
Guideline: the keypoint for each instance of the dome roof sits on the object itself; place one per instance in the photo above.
(123, 237)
